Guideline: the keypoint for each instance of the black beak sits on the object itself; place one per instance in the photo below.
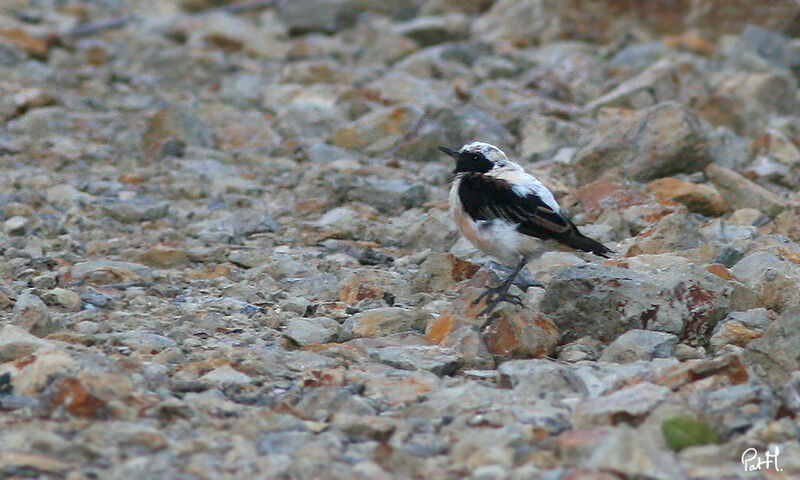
(450, 152)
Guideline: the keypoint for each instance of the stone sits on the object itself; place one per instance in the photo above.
(673, 232)
(657, 141)
(64, 298)
(605, 193)
(433, 358)
(16, 343)
(31, 462)
(305, 331)
(379, 130)
(241, 223)
(441, 271)
(640, 345)
(543, 136)
(775, 355)
(305, 16)
(226, 375)
(162, 257)
(371, 284)
(627, 403)
(146, 342)
(745, 216)
(31, 314)
(382, 321)
(541, 377)
(136, 210)
(16, 226)
(633, 453)
(740, 192)
(388, 195)
(364, 426)
(435, 29)
(72, 396)
(770, 91)
(668, 79)
(604, 302)
(740, 328)
(773, 276)
(169, 130)
(511, 332)
(111, 271)
(699, 198)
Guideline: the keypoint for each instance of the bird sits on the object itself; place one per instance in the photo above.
(509, 214)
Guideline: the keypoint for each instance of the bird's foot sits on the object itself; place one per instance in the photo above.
(500, 295)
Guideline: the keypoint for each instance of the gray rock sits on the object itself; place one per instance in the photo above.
(111, 271)
(661, 140)
(436, 29)
(640, 345)
(584, 348)
(226, 375)
(775, 355)
(635, 452)
(136, 210)
(388, 195)
(64, 298)
(739, 328)
(742, 193)
(146, 342)
(775, 278)
(304, 331)
(539, 377)
(604, 302)
(379, 130)
(435, 359)
(669, 79)
(241, 223)
(16, 226)
(630, 402)
(31, 314)
(15, 343)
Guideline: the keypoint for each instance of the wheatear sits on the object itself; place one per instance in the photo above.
(508, 214)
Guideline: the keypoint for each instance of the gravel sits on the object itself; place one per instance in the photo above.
(225, 250)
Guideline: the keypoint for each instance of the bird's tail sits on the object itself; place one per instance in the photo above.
(582, 242)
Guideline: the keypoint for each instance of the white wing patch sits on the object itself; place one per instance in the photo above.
(524, 184)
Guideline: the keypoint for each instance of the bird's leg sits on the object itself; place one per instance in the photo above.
(500, 293)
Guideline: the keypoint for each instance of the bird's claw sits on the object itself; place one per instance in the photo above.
(500, 296)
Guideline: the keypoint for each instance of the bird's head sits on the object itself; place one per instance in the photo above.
(477, 157)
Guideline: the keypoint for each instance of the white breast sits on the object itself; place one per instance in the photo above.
(498, 238)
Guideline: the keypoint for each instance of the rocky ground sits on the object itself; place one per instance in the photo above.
(225, 250)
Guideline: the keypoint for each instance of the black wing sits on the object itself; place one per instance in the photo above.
(488, 198)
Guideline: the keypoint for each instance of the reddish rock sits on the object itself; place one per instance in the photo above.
(441, 271)
(702, 199)
(728, 368)
(36, 47)
(368, 283)
(511, 332)
(77, 400)
(604, 194)
(574, 445)
(719, 270)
